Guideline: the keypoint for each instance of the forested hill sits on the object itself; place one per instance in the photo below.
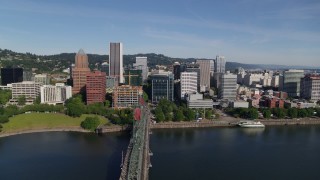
(58, 62)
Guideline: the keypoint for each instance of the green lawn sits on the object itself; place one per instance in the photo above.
(35, 121)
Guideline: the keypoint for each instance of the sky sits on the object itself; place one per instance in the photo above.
(285, 32)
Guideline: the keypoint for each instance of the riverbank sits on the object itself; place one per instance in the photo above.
(233, 123)
(69, 129)
(227, 122)
(43, 122)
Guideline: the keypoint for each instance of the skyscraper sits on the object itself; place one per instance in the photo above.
(141, 63)
(162, 86)
(228, 86)
(204, 75)
(79, 72)
(220, 64)
(116, 62)
(96, 87)
(195, 68)
(310, 87)
(11, 75)
(188, 82)
(291, 82)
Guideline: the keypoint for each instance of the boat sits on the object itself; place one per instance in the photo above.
(251, 124)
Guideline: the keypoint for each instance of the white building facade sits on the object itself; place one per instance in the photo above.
(57, 94)
(29, 89)
(188, 82)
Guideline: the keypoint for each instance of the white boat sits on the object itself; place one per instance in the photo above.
(249, 124)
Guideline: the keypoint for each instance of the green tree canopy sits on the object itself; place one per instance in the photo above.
(159, 115)
(209, 114)
(75, 106)
(293, 112)
(90, 123)
(189, 114)
(22, 100)
(5, 96)
(267, 113)
(4, 119)
(302, 113)
(178, 116)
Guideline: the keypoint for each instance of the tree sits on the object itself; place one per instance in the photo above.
(267, 114)
(302, 113)
(253, 113)
(159, 115)
(38, 100)
(279, 112)
(11, 110)
(178, 116)
(4, 119)
(189, 114)
(168, 117)
(90, 123)
(5, 96)
(209, 114)
(310, 112)
(21, 100)
(293, 112)
(75, 106)
(145, 96)
(107, 103)
(318, 112)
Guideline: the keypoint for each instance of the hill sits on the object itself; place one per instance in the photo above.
(59, 62)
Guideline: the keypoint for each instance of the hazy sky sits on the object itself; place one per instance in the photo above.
(246, 31)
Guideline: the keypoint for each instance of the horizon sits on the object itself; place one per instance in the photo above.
(266, 32)
(232, 61)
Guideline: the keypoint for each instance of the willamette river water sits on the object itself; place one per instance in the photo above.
(211, 153)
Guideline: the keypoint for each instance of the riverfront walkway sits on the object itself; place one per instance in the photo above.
(136, 161)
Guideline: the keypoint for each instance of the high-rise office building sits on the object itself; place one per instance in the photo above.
(96, 87)
(228, 86)
(211, 67)
(79, 72)
(291, 82)
(204, 75)
(116, 62)
(162, 86)
(188, 83)
(310, 87)
(220, 64)
(11, 75)
(195, 68)
(141, 64)
(176, 70)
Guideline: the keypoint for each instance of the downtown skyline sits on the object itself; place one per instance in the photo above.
(246, 31)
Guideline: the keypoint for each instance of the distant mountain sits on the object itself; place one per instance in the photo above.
(58, 62)
(235, 65)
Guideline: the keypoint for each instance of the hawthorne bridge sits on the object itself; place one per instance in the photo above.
(136, 161)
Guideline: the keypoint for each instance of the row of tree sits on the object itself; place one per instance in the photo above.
(253, 113)
(290, 112)
(168, 111)
(75, 108)
(246, 113)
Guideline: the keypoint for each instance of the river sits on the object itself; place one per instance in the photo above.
(290, 152)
